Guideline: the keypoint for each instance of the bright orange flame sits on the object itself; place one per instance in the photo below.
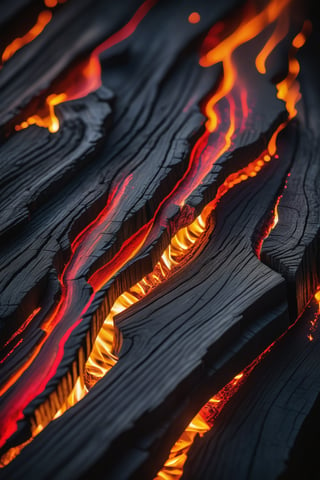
(288, 89)
(199, 425)
(43, 19)
(194, 17)
(103, 356)
(85, 78)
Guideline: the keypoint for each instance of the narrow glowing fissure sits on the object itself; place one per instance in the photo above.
(44, 18)
(288, 90)
(86, 78)
(205, 419)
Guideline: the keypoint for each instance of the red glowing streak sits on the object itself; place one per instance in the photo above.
(13, 412)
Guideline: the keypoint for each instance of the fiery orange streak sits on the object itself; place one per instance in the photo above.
(314, 322)
(207, 415)
(87, 77)
(138, 239)
(288, 91)
(222, 53)
(43, 19)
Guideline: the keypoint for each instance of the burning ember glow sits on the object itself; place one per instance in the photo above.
(87, 77)
(43, 19)
(206, 417)
(187, 242)
(194, 17)
(314, 322)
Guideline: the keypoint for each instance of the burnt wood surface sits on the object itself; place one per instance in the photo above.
(129, 143)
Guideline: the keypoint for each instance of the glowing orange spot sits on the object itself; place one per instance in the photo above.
(50, 121)
(299, 40)
(43, 20)
(194, 17)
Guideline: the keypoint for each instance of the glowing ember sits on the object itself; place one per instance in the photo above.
(194, 17)
(43, 19)
(86, 78)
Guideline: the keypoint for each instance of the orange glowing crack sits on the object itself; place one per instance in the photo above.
(86, 78)
(222, 53)
(280, 31)
(314, 322)
(43, 19)
(206, 417)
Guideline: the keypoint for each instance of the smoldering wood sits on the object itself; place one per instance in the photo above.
(185, 341)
